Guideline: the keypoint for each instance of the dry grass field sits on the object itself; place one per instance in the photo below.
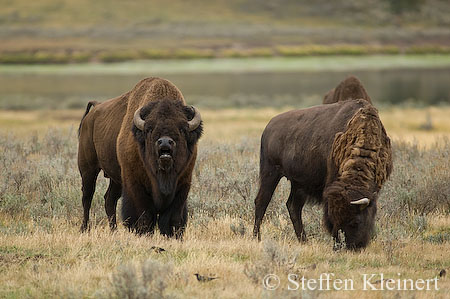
(231, 125)
(43, 254)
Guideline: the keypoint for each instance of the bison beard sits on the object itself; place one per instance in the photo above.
(339, 155)
(167, 182)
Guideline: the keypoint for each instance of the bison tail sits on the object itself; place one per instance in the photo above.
(261, 157)
(89, 105)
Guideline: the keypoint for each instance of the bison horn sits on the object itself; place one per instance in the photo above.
(138, 121)
(363, 202)
(195, 121)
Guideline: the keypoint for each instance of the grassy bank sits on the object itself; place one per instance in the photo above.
(42, 253)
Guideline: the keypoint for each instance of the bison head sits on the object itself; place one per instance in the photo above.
(353, 213)
(166, 132)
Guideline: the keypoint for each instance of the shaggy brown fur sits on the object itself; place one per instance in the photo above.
(335, 154)
(362, 156)
(110, 141)
(349, 89)
(363, 152)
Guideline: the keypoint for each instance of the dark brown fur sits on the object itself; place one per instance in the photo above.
(110, 141)
(349, 89)
(333, 154)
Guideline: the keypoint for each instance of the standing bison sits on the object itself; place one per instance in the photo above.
(336, 154)
(349, 89)
(145, 141)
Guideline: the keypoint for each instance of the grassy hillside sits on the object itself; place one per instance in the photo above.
(108, 30)
(43, 254)
(84, 13)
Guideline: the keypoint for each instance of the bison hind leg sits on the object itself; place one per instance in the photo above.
(88, 178)
(295, 205)
(269, 179)
(111, 196)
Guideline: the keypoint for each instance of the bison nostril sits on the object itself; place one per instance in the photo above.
(165, 142)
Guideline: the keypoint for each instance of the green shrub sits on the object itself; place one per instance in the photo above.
(148, 280)
(118, 56)
(338, 49)
(156, 54)
(193, 53)
(80, 57)
(428, 49)
(420, 182)
(17, 58)
(252, 52)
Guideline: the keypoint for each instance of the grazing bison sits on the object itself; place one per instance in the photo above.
(338, 155)
(349, 89)
(145, 141)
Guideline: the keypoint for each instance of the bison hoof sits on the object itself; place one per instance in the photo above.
(84, 228)
(257, 235)
(113, 227)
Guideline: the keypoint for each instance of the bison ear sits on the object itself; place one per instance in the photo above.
(194, 135)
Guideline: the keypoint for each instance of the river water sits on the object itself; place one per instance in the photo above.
(417, 87)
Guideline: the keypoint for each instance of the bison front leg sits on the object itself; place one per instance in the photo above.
(180, 224)
(145, 224)
(141, 220)
(173, 220)
(295, 205)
